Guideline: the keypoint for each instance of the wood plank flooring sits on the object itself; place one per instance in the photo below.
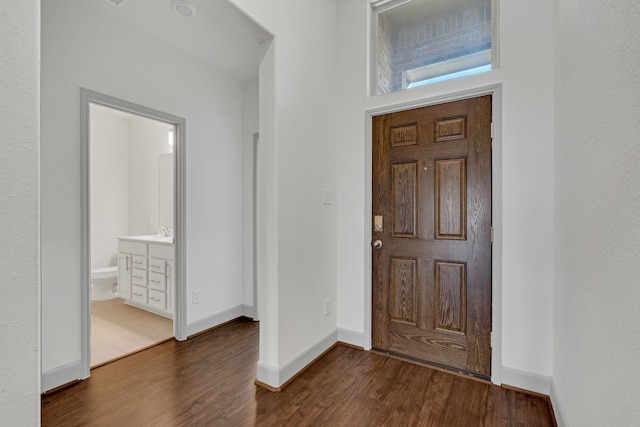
(209, 381)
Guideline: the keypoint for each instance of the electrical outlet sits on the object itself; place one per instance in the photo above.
(327, 307)
(196, 297)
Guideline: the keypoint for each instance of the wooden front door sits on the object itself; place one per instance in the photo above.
(432, 234)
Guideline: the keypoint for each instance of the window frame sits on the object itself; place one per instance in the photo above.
(377, 7)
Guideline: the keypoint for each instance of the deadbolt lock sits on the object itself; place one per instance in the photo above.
(377, 223)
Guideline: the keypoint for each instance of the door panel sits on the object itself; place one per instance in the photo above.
(404, 190)
(403, 305)
(450, 296)
(450, 190)
(432, 277)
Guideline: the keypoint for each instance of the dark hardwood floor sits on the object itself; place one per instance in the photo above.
(209, 381)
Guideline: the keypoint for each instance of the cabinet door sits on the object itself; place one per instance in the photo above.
(124, 276)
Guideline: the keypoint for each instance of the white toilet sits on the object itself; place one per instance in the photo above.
(104, 283)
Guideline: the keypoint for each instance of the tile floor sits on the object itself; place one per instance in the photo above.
(118, 329)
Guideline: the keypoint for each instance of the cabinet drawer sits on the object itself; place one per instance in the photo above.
(139, 294)
(157, 281)
(135, 248)
(139, 261)
(157, 265)
(139, 277)
(157, 299)
(161, 251)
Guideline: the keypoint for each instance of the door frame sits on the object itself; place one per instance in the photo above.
(256, 223)
(496, 205)
(88, 97)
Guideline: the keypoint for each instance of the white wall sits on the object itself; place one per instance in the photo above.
(595, 274)
(303, 84)
(353, 241)
(306, 95)
(250, 126)
(596, 369)
(166, 190)
(527, 167)
(84, 45)
(19, 198)
(109, 171)
(298, 135)
(125, 154)
(147, 142)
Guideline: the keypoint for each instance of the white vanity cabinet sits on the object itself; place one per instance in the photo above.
(130, 252)
(145, 273)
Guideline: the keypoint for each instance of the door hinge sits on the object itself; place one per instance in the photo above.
(492, 234)
(491, 341)
(491, 130)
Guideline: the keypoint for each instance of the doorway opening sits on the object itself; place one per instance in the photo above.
(132, 228)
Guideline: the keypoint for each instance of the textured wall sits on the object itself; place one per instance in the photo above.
(19, 213)
(298, 138)
(596, 362)
(526, 131)
(109, 172)
(250, 125)
(120, 61)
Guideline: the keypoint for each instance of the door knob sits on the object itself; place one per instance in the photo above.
(377, 244)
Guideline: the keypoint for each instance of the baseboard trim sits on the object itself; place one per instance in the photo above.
(558, 410)
(271, 377)
(61, 376)
(267, 376)
(247, 311)
(526, 380)
(353, 338)
(268, 387)
(307, 358)
(146, 307)
(201, 325)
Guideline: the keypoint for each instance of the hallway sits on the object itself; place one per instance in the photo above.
(209, 381)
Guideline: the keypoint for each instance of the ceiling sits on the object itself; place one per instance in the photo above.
(219, 35)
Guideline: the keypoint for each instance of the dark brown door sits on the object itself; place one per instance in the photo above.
(432, 196)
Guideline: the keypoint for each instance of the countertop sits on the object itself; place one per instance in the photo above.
(155, 239)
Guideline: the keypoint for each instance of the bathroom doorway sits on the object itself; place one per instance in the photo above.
(132, 228)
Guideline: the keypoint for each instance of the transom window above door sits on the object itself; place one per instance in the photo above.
(418, 42)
